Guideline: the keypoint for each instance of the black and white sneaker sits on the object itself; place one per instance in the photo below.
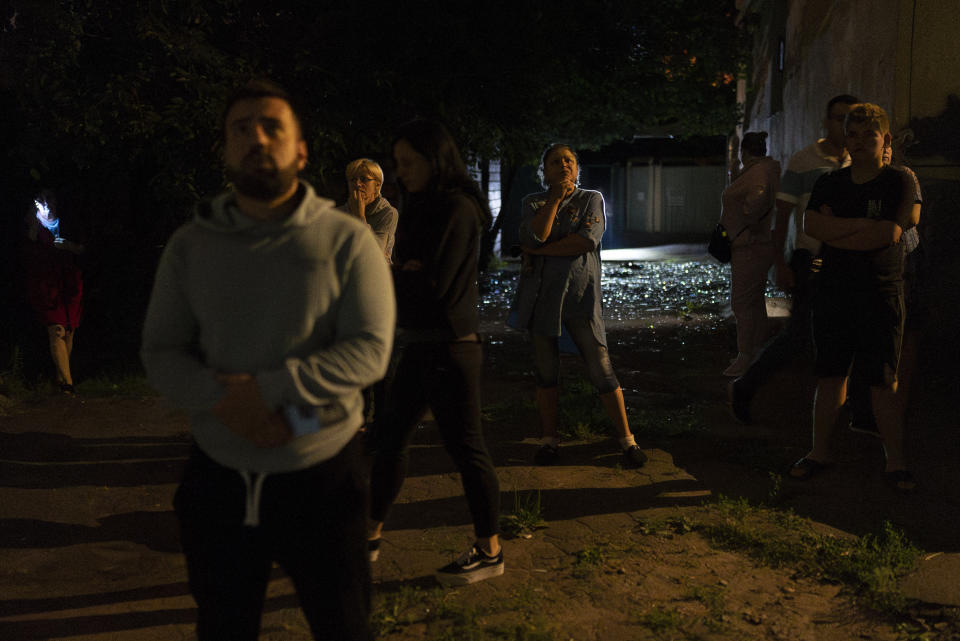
(373, 549)
(472, 566)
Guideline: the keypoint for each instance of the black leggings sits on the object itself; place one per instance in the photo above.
(446, 377)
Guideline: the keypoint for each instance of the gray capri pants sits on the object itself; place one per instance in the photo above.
(546, 352)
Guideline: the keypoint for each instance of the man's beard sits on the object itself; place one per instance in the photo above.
(262, 183)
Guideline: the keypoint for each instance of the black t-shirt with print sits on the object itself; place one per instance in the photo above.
(878, 199)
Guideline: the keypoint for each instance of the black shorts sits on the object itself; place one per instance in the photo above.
(866, 328)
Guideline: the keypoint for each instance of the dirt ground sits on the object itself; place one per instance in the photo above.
(89, 551)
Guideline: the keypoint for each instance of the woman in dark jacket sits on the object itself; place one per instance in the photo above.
(435, 274)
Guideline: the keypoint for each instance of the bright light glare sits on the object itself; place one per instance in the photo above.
(43, 210)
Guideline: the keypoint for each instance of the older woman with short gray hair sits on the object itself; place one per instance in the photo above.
(364, 180)
(559, 293)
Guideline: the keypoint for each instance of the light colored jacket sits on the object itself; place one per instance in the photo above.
(305, 305)
(382, 220)
(748, 202)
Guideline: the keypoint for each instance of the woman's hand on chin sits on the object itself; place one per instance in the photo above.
(559, 191)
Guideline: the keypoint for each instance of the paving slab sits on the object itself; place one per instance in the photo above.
(936, 580)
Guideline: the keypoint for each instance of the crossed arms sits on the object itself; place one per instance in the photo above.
(863, 234)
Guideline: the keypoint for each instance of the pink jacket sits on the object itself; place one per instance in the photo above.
(748, 202)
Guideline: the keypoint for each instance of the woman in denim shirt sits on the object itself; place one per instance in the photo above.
(559, 291)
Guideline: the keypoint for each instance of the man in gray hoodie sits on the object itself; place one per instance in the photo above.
(270, 312)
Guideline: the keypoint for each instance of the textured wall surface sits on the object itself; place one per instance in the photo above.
(904, 56)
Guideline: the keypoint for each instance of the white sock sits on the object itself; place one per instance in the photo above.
(552, 441)
(627, 442)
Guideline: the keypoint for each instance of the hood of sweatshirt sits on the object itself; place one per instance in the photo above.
(222, 214)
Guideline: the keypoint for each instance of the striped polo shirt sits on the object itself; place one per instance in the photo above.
(804, 168)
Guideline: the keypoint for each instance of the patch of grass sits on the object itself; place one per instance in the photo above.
(527, 515)
(15, 385)
(523, 632)
(679, 524)
(509, 409)
(447, 619)
(711, 596)
(527, 599)
(648, 527)
(589, 560)
(582, 416)
(398, 609)
(667, 422)
(869, 565)
(661, 620)
(672, 524)
(19, 389)
(128, 385)
(737, 509)
(775, 492)
(914, 632)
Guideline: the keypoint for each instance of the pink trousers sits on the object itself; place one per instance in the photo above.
(748, 282)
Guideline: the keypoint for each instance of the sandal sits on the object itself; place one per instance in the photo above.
(807, 468)
(900, 480)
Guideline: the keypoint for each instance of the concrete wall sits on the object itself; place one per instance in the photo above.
(830, 48)
(904, 56)
(900, 54)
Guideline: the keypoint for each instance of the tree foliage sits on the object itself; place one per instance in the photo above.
(116, 104)
(136, 86)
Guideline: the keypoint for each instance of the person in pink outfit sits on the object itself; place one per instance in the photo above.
(747, 204)
(54, 283)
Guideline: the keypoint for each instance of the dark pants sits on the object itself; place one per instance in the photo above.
(796, 337)
(446, 377)
(312, 523)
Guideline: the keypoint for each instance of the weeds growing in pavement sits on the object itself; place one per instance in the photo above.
(869, 565)
(398, 609)
(712, 598)
(527, 515)
(673, 524)
(446, 619)
(589, 560)
(661, 620)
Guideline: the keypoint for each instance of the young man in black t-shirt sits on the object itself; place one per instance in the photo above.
(858, 214)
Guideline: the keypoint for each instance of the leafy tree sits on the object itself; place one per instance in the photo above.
(117, 104)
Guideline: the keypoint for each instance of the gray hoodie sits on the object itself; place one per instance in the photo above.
(306, 305)
(382, 219)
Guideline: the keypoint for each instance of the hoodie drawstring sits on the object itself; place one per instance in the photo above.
(252, 514)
